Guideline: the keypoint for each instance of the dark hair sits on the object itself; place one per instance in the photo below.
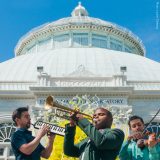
(18, 112)
(108, 113)
(133, 118)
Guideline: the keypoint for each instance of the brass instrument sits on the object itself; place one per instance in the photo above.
(60, 110)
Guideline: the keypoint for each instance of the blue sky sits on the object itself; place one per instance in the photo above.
(17, 17)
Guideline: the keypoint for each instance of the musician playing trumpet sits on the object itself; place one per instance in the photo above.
(102, 142)
(139, 146)
(24, 145)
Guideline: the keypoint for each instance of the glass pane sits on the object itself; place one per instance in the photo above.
(32, 49)
(1, 151)
(127, 49)
(115, 44)
(11, 152)
(99, 41)
(45, 44)
(80, 39)
(61, 41)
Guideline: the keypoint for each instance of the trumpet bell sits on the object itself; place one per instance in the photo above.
(52, 104)
(49, 103)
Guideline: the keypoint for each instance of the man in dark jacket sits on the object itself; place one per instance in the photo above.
(102, 143)
(24, 145)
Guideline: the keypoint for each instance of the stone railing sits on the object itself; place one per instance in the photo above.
(117, 80)
(144, 85)
(16, 85)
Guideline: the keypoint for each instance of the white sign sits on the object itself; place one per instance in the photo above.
(87, 101)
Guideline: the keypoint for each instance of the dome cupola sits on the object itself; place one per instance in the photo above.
(79, 11)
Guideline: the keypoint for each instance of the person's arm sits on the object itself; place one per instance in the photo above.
(48, 149)
(154, 152)
(28, 148)
(69, 148)
(153, 147)
(108, 140)
(125, 152)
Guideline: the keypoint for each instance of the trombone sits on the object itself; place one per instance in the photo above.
(61, 111)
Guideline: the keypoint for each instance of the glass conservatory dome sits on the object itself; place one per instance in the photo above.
(80, 31)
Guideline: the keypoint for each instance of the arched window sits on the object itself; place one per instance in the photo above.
(6, 129)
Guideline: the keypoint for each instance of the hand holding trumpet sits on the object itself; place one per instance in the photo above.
(75, 116)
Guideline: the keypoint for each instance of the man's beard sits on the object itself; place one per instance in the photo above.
(28, 125)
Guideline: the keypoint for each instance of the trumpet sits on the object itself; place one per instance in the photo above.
(60, 110)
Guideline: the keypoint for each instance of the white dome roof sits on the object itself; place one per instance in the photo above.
(65, 62)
